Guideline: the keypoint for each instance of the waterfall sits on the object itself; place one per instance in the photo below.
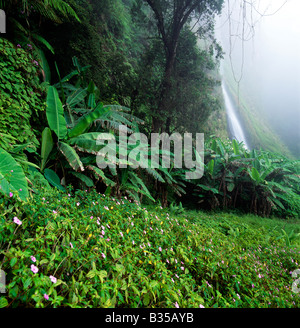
(234, 125)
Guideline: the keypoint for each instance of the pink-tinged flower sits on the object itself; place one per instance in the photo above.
(107, 239)
(54, 212)
(182, 268)
(103, 255)
(33, 268)
(176, 305)
(33, 259)
(103, 232)
(78, 204)
(36, 63)
(106, 208)
(46, 297)
(71, 245)
(17, 221)
(201, 306)
(92, 217)
(133, 242)
(11, 194)
(121, 233)
(160, 249)
(29, 46)
(53, 279)
(98, 222)
(18, 46)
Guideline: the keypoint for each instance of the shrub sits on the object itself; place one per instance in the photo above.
(21, 94)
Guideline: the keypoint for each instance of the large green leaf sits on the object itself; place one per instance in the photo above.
(100, 174)
(71, 156)
(55, 114)
(87, 142)
(3, 302)
(12, 177)
(254, 174)
(76, 97)
(87, 120)
(47, 146)
(235, 146)
(88, 181)
(53, 179)
(210, 166)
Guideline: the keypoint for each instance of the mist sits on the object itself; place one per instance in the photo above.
(262, 55)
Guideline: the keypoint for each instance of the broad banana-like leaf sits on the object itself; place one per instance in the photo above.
(254, 174)
(87, 120)
(71, 156)
(210, 166)
(100, 174)
(221, 147)
(91, 89)
(88, 181)
(76, 97)
(45, 67)
(55, 114)
(235, 146)
(87, 142)
(12, 177)
(53, 179)
(137, 182)
(47, 146)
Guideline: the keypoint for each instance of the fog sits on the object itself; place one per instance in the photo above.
(261, 39)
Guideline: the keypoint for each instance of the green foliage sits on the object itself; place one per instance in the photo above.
(112, 253)
(258, 181)
(51, 9)
(21, 99)
(55, 114)
(12, 177)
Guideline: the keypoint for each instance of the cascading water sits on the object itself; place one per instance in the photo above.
(234, 124)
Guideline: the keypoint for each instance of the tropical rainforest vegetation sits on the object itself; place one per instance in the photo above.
(72, 70)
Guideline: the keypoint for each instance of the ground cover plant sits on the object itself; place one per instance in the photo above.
(85, 249)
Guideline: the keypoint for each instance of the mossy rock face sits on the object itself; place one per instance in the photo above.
(22, 97)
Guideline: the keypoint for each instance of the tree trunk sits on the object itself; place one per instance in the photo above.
(164, 105)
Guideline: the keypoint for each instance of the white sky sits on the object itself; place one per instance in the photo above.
(271, 60)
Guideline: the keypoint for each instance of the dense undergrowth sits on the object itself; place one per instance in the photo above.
(89, 250)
